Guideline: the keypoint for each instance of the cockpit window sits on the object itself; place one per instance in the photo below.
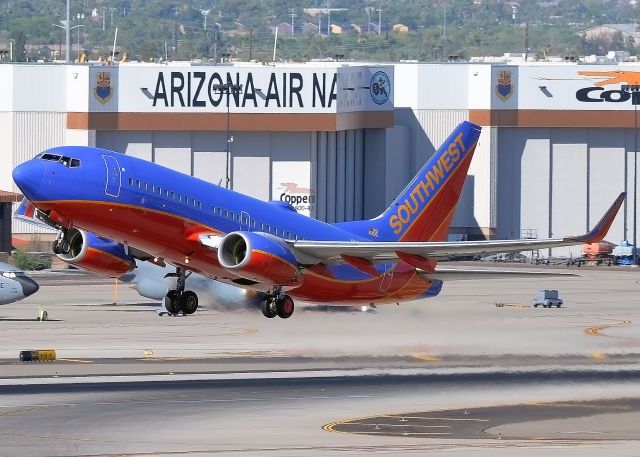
(68, 162)
(52, 157)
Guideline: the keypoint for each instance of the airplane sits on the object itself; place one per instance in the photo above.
(150, 212)
(15, 284)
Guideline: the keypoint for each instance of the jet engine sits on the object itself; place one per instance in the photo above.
(259, 257)
(98, 255)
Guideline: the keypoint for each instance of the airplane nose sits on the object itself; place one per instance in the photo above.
(29, 177)
(29, 286)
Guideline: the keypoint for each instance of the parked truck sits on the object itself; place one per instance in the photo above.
(623, 253)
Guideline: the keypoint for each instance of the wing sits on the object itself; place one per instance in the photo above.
(446, 274)
(418, 253)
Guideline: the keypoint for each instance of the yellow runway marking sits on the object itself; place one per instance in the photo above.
(599, 356)
(596, 329)
(75, 360)
(425, 357)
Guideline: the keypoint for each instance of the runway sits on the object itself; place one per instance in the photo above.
(290, 417)
(534, 381)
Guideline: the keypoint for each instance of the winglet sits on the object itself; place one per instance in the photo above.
(602, 227)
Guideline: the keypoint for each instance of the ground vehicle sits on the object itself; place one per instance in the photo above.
(505, 257)
(624, 253)
(547, 298)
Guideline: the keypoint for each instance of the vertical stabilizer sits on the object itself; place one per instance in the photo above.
(424, 209)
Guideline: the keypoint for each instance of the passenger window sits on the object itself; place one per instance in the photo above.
(138, 183)
(131, 181)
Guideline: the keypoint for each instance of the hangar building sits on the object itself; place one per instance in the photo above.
(341, 140)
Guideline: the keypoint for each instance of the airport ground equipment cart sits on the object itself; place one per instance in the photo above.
(547, 298)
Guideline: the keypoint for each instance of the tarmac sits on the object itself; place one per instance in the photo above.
(128, 382)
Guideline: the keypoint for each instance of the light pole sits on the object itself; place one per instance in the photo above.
(68, 30)
(228, 89)
(635, 100)
(60, 47)
(68, 35)
(79, 16)
(205, 13)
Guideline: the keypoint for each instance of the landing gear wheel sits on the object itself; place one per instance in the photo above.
(64, 247)
(172, 302)
(268, 308)
(284, 307)
(61, 247)
(188, 302)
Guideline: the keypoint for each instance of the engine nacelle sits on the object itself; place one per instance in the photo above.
(259, 258)
(98, 255)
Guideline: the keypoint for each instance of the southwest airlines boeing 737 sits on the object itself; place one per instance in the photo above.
(141, 210)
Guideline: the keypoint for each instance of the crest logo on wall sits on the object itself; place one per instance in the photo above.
(380, 87)
(504, 88)
(103, 90)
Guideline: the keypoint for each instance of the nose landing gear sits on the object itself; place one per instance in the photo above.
(61, 245)
(277, 304)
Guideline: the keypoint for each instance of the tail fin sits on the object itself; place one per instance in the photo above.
(424, 209)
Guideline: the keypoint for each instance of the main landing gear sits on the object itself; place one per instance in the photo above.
(276, 304)
(61, 245)
(180, 300)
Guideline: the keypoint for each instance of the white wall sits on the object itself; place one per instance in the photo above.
(559, 182)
